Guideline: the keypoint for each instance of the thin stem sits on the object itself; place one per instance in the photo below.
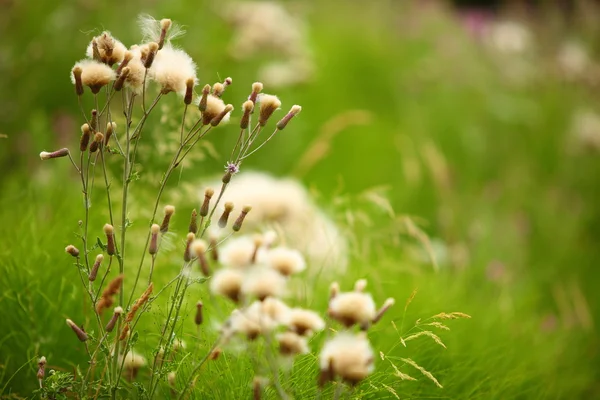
(261, 145)
(197, 369)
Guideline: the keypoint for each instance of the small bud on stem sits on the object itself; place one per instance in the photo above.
(152, 49)
(169, 211)
(121, 79)
(165, 25)
(247, 107)
(218, 89)
(291, 114)
(187, 255)
(214, 251)
(386, 306)
(77, 71)
(199, 317)
(109, 231)
(217, 120)
(199, 250)
(44, 155)
(86, 132)
(225, 216)
(193, 228)
(204, 98)
(153, 247)
(94, 120)
(268, 105)
(189, 91)
(95, 267)
(81, 335)
(41, 369)
(72, 250)
(237, 225)
(111, 127)
(257, 87)
(113, 320)
(208, 194)
(98, 139)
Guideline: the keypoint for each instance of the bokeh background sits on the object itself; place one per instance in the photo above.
(479, 121)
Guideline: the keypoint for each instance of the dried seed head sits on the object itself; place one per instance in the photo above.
(86, 132)
(132, 362)
(193, 227)
(227, 282)
(165, 25)
(218, 89)
(95, 267)
(352, 308)
(199, 315)
(143, 299)
(122, 78)
(77, 71)
(237, 225)
(208, 194)
(106, 49)
(117, 312)
(238, 252)
(171, 70)
(204, 99)
(81, 335)
(291, 114)
(169, 211)
(72, 250)
(98, 139)
(228, 81)
(214, 107)
(153, 246)
(94, 74)
(284, 260)
(152, 49)
(348, 356)
(109, 231)
(292, 344)
(127, 57)
(111, 127)
(305, 322)
(247, 107)
(262, 282)
(257, 87)
(189, 91)
(187, 254)
(268, 104)
(225, 216)
(94, 120)
(44, 155)
(223, 116)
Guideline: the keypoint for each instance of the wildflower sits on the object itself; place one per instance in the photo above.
(214, 108)
(110, 50)
(149, 59)
(218, 89)
(94, 74)
(230, 170)
(238, 252)
(72, 250)
(305, 322)
(95, 267)
(111, 127)
(223, 116)
(109, 231)
(352, 308)
(137, 71)
(193, 227)
(189, 91)
(117, 312)
(348, 356)
(77, 71)
(251, 322)
(153, 246)
(268, 103)
(44, 155)
(292, 344)
(187, 254)
(81, 335)
(169, 211)
(284, 260)
(41, 369)
(159, 31)
(276, 309)
(263, 282)
(98, 139)
(202, 103)
(257, 87)
(132, 363)
(172, 68)
(227, 282)
(247, 107)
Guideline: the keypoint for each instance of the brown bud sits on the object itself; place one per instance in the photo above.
(77, 71)
(193, 228)
(187, 255)
(111, 127)
(44, 155)
(86, 132)
(95, 52)
(152, 49)
(214, 251)
(72, 250)
(218, 89)
(95, 267)
(189, 91)
(217, 120)
(169, 211)
(256, 389)
(98, 139)
(126, 58)
(121, 79)
(291, 114)
(204, 98)
(165, 25)
(199, 317)
(215, 354)
(124, 332)
(248, 107)
(228, 81)
(225, 216)
(257, 87)
(81, 335)
(118, 311)
(94, 120)
(153, 247)
(208, 194)
(109, 231)
(237, 225)
(198, 248)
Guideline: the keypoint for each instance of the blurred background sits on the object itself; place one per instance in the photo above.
(478, 119)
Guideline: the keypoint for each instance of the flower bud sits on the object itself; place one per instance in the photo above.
(291, 114)
(94, 120)
(217, 120)
(126, 58)
(41, 369)
(121, 79)
(111, 127)
(247, 107)
(189, 91)
(152, 49)
(72, 250)
(199, 316)
(77, 71)
(109, 231)
(218, 89)
(198, 248)
(225, 216)
(95, 267)
(118, 311)
(81, 335)
(169, 211)
(86, 132)
(257, 87)
(98, 139)
(214, 251)
(153, 247)
(386, 306)
(165, 25)
(44, 155)
(187, 255)
(237, 225)
(193, 227)
(204, 98)
(208, 194)
(268, 105)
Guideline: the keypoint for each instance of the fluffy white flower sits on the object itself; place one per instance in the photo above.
(110, 49)
(94, 74)
(292, 344)
(172, 68)
(348, 356)
(262, 282)
(284, 260)
(305, 322)
(238, 252)
(351, 308)
(227, 282)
